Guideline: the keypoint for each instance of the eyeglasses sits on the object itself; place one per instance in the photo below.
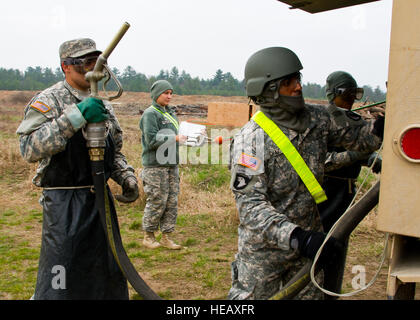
(356, 93)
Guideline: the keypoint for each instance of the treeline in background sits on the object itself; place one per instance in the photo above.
(222, 84)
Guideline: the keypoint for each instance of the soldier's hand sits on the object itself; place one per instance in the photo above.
(181, 138)
(93, 110)
(357, 156)
(309, 242)
(378, 163)
(130, 191)
(378, 127)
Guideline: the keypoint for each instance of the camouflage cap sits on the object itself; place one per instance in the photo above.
(77, 48)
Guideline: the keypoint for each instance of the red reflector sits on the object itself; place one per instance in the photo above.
(410, 143)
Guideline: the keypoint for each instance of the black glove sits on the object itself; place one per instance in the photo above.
(378, 127)
(130, 191)
(357, 155)
(308, 243)
(378, 163)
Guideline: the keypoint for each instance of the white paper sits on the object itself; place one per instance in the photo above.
(191, 129)
(196, 133)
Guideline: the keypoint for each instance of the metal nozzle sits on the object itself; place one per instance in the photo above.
(116, 40)
(95, 135)
(101, 70)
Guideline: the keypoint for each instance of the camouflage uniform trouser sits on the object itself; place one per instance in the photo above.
(161, 186)
(260, 281)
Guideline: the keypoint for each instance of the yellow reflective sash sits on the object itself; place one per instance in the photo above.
(169, 117)
(295, 159)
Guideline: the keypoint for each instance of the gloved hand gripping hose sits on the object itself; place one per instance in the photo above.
(95, 134)
(343, 230)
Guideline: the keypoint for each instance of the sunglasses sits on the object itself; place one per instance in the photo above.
(356, 93)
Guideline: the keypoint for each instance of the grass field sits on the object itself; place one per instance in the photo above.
(206, 226)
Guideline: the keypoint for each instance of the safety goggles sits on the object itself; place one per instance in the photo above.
(356, 93)
(293, 78)
(88, 61)
(82, 65)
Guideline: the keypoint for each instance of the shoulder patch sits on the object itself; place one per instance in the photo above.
(40, 106)
(353, 115)
(241, 181)
(249, 161)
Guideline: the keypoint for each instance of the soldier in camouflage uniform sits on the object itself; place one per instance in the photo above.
(342, 167)
(160, 157)
(51, 134)
(280, 228)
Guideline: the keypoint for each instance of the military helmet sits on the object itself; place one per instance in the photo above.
(342, 83)
(269, 64)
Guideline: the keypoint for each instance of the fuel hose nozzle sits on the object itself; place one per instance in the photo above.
(95, 135)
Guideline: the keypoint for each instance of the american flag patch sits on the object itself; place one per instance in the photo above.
(249, 161)
(40, 106)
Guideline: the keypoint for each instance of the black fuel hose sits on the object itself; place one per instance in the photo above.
(107, 212)
(344, 228)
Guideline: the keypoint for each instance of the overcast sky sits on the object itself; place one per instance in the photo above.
(201, 36)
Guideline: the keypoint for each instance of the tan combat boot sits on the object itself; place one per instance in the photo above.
(149, 240)
(168, 243)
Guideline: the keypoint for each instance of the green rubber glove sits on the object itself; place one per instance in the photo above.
(93, 110)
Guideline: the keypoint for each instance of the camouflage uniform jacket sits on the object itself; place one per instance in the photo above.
(339, 158)
(52, 118)
(272, 201)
